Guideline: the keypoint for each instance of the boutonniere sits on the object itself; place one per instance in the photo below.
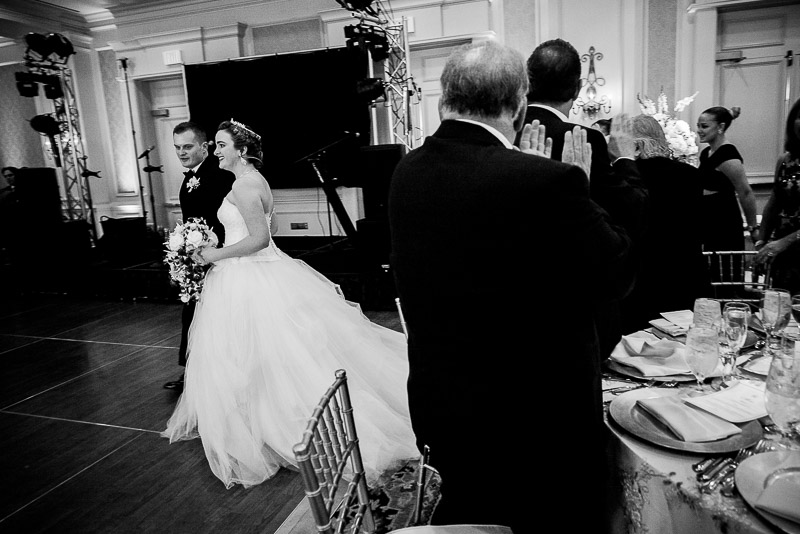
(193, 183)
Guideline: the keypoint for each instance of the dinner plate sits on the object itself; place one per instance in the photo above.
(627, 414)
(633, 372)
(753, 472)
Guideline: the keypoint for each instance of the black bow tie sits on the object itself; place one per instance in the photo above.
(189, 174)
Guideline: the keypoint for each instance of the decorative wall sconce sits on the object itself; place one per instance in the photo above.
(592, 105)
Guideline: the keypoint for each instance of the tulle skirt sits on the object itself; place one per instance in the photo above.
(265, 343)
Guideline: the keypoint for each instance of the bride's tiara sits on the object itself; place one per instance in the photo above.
(239, 125)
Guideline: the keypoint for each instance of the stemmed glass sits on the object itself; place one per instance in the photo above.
(702, 352)
(706, 312)
(775, 313)
(732, 336)
(782, 396)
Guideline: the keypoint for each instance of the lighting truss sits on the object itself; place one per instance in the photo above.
(76, 204)
(402, 95)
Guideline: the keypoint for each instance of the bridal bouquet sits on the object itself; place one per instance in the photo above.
(679, 135)
(183, 270)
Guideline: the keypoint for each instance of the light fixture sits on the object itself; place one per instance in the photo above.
(53, 48)
(27, 84)
(47, 125)
(592, 105)
(369, 89)
(52, 87)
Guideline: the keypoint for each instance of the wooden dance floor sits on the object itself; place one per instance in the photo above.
(81, 405)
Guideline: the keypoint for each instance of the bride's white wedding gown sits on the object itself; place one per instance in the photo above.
(268, 334)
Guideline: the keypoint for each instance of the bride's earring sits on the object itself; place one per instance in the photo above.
(242, 159)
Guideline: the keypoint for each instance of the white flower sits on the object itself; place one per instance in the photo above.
(195, 238)
(680, 137)
(193, 183)
(175, 242)
(212, 238)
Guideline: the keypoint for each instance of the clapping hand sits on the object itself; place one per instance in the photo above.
(621, 143)
(533, 140)
(577, 150)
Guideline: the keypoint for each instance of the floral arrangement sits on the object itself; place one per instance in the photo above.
(183, 270)
(679, 135)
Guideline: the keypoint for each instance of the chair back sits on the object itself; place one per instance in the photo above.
(328, 452)
(402, 318)
(733, 277)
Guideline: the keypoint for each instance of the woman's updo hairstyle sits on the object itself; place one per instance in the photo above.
(244, 139)
(723, 116)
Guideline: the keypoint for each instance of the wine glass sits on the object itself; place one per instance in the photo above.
(732, 336)
(706, 312)
(702, 352)
(775, 313)
(782, 395)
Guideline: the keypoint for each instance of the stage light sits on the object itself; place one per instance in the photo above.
(52, 87)
(53, 47)
(46, 124)
(378, 46)
(369, 89)
(60, 45)
(27, 84)
(38, 44)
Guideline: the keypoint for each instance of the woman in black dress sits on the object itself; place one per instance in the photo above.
(780, 221)
(724, 179)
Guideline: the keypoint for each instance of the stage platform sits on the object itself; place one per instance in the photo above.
(141, 273)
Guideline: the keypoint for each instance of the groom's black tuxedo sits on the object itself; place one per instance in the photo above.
(203, 201)
(497, 257)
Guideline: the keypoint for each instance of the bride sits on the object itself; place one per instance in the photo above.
(267, 337)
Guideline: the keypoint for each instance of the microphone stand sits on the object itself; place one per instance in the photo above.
(149, 169)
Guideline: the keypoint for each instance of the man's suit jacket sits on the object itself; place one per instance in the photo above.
(610, 187)
(491, 305)
(204, 200)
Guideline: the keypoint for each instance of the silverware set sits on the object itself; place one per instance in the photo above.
(713, 473)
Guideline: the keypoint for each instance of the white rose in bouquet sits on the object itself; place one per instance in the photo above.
(195, 238)
(175, 242)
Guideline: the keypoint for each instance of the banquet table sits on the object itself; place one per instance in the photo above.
(654, 490)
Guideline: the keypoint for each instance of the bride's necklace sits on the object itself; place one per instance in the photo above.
(251, 171)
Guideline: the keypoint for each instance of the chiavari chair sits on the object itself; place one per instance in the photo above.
(733, 278)
(328, 453)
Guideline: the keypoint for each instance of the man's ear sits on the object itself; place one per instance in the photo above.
(519, 119)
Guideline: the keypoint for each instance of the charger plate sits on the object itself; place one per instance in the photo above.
(751, 475)
(625, 412)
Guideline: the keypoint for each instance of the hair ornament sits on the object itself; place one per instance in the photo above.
(241, 126)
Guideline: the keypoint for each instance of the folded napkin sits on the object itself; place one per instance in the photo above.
(688, 423)
(782, 496)
(650, 355)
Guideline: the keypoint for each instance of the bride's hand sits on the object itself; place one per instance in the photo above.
(199, 255)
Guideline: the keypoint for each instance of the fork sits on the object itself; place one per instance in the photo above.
(727, 483)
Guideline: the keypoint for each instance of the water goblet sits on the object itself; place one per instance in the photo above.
(732, 336)
(776, 310)
(782, 395)
(702, 352)
(707, 312)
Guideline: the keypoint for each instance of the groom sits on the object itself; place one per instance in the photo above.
(202, 191)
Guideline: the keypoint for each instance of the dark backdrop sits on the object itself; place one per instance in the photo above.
(298, 103)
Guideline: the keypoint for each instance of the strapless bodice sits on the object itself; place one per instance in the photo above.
(236, 230)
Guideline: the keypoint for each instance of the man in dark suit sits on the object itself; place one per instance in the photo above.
(500, 346)
(554, 74)
(202, 191)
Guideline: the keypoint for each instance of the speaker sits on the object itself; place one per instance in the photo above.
(38, 199)
(372, 172)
